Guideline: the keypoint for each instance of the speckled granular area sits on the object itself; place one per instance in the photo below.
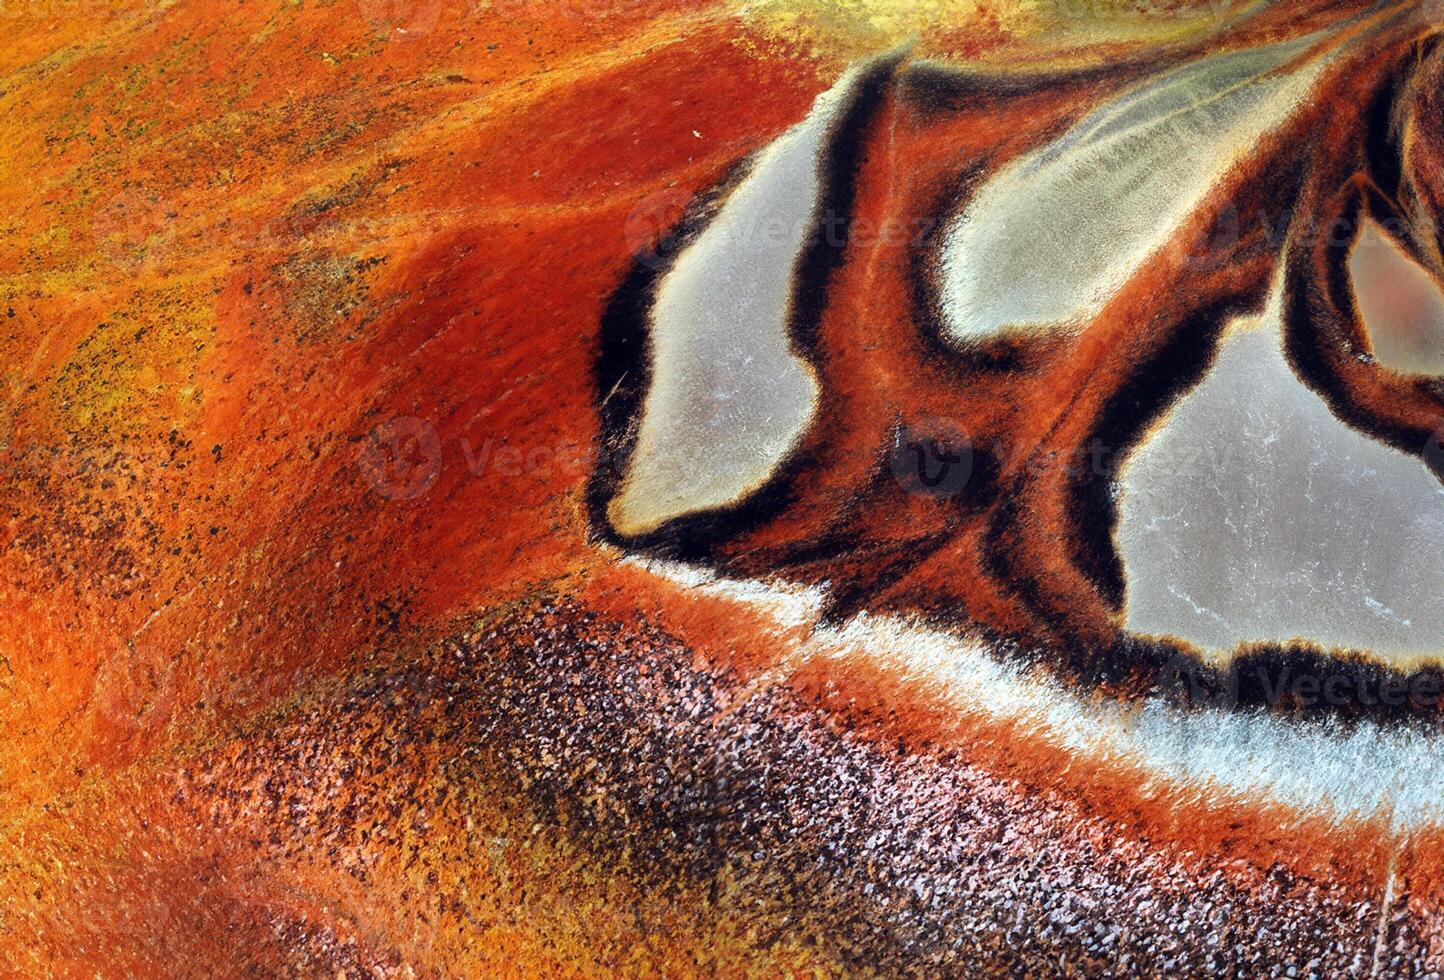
(876, 855)
(671, 818)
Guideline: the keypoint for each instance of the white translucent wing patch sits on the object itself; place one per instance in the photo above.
(1254, 514)
(1046, 241)
(728, 397)
(1402, 307)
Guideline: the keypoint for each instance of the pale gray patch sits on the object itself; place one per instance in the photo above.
(729, 398)
(1254, 514)
(1054, 234)
(1401, 305)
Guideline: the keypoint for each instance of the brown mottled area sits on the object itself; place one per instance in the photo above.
(558, 780)
(320, 291)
